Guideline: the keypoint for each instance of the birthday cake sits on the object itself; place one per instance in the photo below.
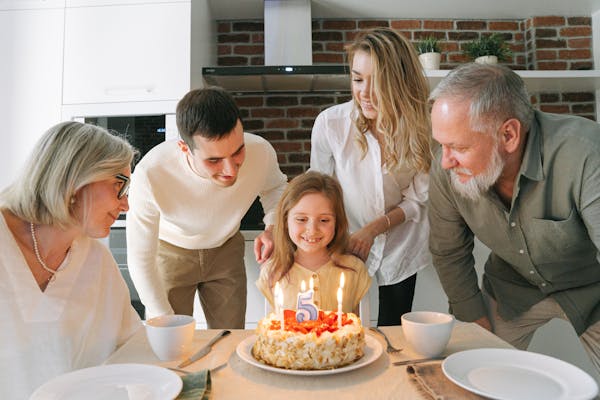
(311, 344)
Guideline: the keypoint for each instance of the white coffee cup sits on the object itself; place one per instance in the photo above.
(427, 332)
(170, 336)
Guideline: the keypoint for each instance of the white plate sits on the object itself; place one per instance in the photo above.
(372, 353)
(112, 382)
(506, 374)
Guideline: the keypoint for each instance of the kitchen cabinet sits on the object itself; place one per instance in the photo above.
(126, 52)
(31, 40)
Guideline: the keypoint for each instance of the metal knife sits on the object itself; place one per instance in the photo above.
(418, 361)
(204, 350)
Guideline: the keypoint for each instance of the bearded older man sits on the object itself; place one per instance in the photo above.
(527, 185)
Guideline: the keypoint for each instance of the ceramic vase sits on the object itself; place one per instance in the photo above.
(430, 60)
(487, 60)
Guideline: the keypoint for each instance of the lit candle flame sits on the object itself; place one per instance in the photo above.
(339, 295)
(303, 286)
(311, 283)
(342, 280)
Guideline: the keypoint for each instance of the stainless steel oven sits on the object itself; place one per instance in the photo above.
(142, 131)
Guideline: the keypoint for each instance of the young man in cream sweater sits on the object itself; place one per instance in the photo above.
(186, 201)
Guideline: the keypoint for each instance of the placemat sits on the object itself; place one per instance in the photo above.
(431, 381)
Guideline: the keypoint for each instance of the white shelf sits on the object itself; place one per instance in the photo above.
(561, 81)
(543, 81)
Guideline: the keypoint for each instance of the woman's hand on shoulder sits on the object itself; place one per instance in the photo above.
(361, 242)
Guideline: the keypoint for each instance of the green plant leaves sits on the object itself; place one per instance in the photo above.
(490, 45)
(428, 45)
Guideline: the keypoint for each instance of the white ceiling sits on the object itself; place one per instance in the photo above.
(468, 9)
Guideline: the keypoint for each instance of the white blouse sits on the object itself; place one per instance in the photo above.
(78, 321)
(370, 191)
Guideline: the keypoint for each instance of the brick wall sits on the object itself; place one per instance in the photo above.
(540, 42)
(286, 121)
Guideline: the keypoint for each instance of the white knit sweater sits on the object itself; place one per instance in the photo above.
(168, 201)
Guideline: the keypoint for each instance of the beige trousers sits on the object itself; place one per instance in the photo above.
(217, 274)
(520, 330)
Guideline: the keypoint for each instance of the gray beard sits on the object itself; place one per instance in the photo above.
(478, 185)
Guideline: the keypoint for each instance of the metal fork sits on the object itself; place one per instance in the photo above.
(183, 371)
(390, 348)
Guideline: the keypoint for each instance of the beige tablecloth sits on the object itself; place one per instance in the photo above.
(238, 380)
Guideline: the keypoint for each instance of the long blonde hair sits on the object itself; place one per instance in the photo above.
(310, 182)
(401, 90)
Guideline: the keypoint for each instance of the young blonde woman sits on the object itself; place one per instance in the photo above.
(311, 234)
(378, 146)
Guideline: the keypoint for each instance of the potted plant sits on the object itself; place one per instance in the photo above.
(429, 52)
(488, 49)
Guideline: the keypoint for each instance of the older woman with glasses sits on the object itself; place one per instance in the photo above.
(63, 302)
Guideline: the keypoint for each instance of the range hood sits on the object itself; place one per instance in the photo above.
(305, 78)
(288, 57)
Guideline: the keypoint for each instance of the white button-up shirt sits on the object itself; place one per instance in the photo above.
(370, 191)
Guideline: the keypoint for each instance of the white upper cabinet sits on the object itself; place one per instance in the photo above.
(30, 4)
(31, 43)
(126, 52)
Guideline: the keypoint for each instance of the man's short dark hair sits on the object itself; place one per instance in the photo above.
(210, 112)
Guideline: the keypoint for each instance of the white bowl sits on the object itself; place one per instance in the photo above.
(170, 336)
(427, 332)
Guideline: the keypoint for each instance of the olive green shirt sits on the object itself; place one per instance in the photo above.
(545, 244)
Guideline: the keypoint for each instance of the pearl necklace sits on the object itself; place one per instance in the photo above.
(37, 253)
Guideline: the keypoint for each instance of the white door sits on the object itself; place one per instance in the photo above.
(30, 81)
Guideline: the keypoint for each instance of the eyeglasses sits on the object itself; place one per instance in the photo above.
(124, 191)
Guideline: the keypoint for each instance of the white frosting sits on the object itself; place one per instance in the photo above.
(295, 350)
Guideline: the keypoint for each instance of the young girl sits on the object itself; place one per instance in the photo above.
(310, 234)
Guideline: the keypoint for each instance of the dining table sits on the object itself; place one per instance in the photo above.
(235, 378)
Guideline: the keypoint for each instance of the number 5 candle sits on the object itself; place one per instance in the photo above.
(306, 309)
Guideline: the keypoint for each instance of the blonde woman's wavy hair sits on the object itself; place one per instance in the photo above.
(311, 182)
(69, 156)
(401, 90)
